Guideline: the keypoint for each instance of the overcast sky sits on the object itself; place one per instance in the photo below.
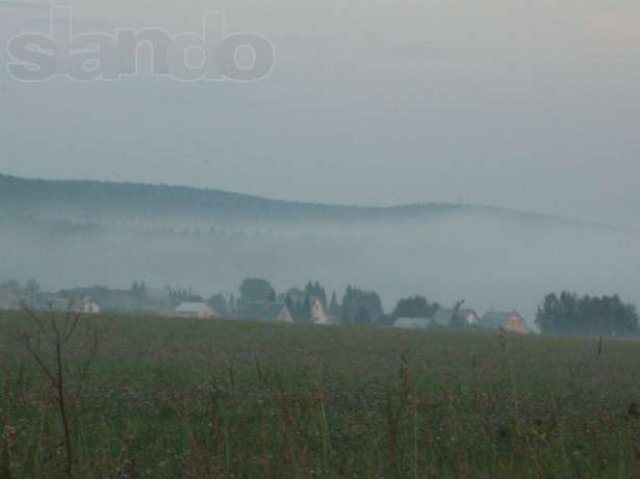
(527, 104)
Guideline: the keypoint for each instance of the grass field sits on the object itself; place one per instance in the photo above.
(193, 398)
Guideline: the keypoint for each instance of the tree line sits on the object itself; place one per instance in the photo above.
(570, 314)
(565, 313)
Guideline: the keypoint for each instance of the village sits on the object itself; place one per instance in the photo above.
(258, 301)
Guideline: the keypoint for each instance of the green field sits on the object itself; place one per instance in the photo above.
(194, 398)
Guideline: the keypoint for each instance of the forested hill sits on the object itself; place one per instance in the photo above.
(95, 199)
(86, 233)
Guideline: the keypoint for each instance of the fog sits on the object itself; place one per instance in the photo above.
(489, 258)
(528, 106)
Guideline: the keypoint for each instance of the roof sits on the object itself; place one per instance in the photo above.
(497, 319)
(261, 311)
(404, 322)
(443, 315)
(192, 307)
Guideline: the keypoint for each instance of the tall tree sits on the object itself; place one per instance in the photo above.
(355, 300)
(334, 307)
(255, 290)
(316, 290)
(457, 320)
(415, 307)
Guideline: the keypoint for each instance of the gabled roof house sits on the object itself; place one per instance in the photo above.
(510, 321)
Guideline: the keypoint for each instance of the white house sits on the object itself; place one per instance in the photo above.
(319, 314)
(86, 306)
(195, 310)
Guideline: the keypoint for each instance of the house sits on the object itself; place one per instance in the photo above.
(86, 306)
(306, 308)
(443, 316)
(318, 312)
(267, 312)
(510, 321)
(412, 323)
(195, 310)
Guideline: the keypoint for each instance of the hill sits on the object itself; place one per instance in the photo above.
(130, 199)
(68, 233)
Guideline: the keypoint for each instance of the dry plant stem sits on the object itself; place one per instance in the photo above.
(58, 339)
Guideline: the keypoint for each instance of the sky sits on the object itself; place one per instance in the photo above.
(532, 105)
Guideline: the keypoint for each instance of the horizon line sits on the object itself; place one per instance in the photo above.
(396, 206)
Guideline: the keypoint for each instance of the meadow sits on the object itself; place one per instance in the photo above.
(157, 397)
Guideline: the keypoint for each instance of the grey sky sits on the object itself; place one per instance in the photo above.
(533, 105)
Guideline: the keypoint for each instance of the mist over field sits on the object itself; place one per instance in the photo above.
(89, 233)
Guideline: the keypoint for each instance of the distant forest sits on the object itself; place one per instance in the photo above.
(27, 195)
